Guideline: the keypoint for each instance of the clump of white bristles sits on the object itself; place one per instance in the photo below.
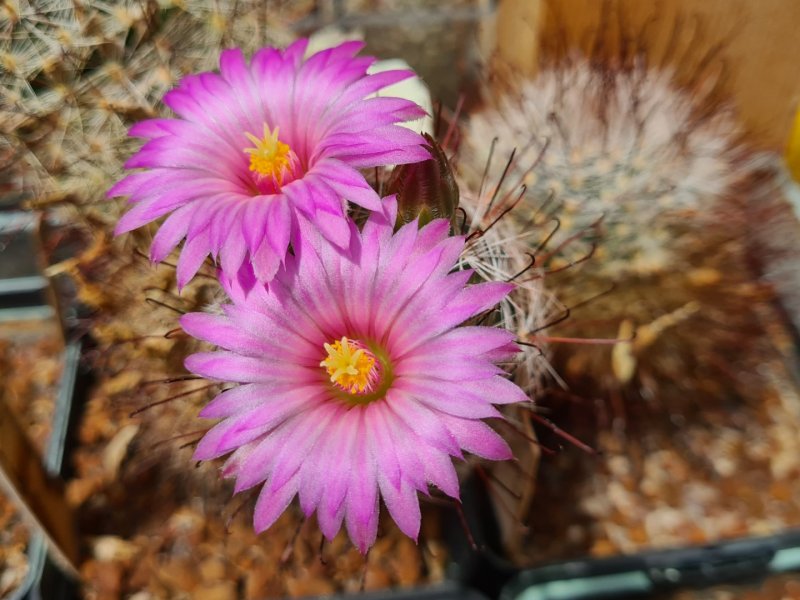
(496, 251)
(622, 145)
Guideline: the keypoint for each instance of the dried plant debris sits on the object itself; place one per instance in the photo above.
(674, 409)
(676, 467)
(30, 369)
(194, 553)
(13, 548)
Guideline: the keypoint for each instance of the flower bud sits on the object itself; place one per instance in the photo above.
(426, 190)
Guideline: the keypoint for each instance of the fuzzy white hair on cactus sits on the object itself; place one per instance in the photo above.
(624, 144)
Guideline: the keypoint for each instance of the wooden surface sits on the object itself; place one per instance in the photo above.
(758, 45)
(38, 496)
(517, 39)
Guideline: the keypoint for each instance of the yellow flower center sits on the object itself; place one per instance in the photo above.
(350, 366)
(270, 156)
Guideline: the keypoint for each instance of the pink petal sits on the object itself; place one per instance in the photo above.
(271, 505)
(331, 508)
(229, 366)
(169, 235)
(362, 508)
(477, 437)
(252, 423)
(403, 505)
(300, 446)
(265, 261)
(439, 471)
(194, 253)
(240, 399)
(423, 421)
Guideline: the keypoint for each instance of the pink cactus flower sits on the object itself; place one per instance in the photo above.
(356, 379)
(258, 147)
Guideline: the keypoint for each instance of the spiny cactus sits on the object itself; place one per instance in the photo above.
(624, 145)
(665, 166)
(498, 251)
(76, 74)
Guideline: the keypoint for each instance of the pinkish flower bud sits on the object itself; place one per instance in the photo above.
(426, 190)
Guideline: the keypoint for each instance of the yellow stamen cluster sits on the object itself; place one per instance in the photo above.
(350, 367)
(270, 156)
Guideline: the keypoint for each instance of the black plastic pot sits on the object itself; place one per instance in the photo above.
(26, 296)
(643, 575)
(449, 590)
(45, 580)
(25, 293)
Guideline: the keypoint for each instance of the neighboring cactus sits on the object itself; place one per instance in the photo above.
(652, 176)
(497, 252)
(624, 145)
(75, 76)
(653, 179)
(497, 249)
